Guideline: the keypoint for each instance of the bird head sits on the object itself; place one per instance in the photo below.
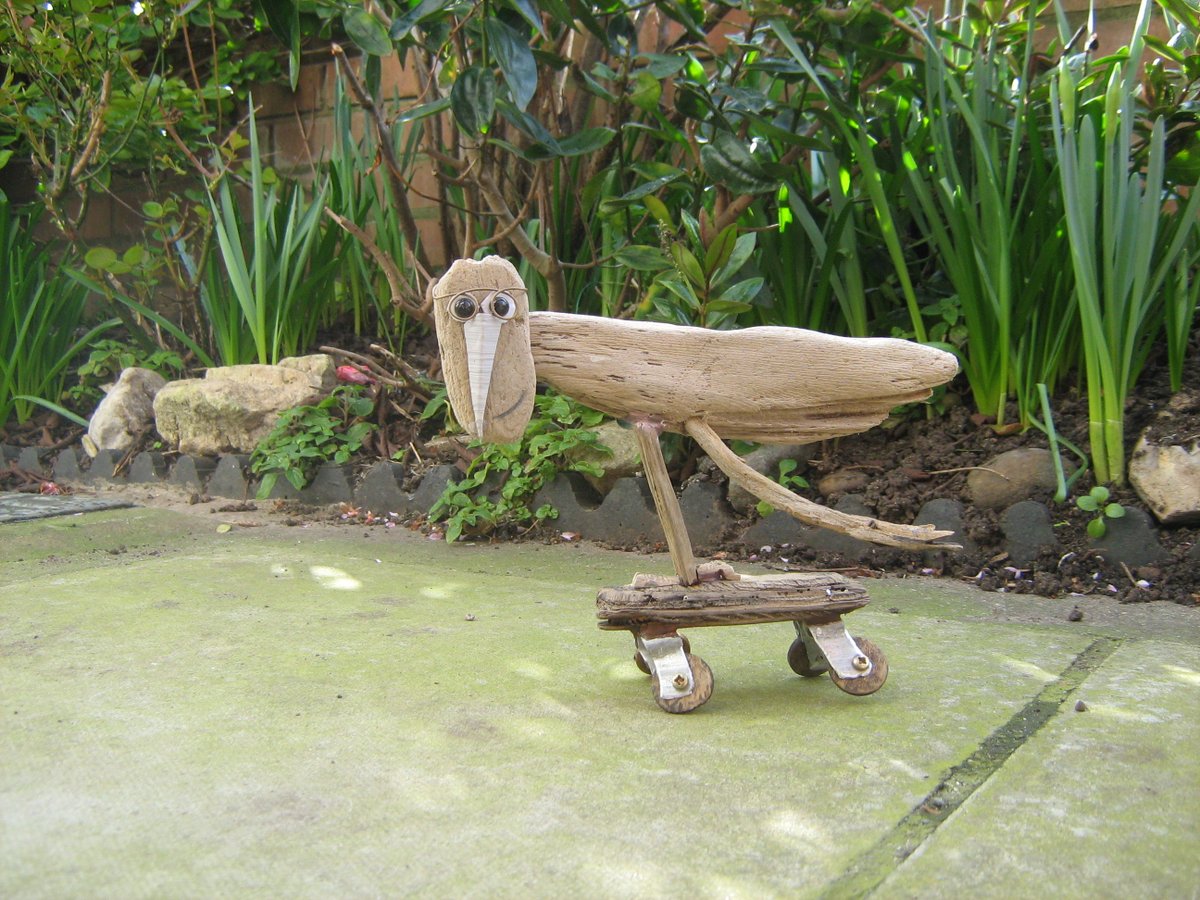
(481, 312)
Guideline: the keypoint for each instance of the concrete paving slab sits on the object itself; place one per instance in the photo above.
(1105, 801)
(340, 711)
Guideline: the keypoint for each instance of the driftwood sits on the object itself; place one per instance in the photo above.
(771, 385)
(813, 596)
(493, 402)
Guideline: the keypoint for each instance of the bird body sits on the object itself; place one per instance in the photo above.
(766, 384)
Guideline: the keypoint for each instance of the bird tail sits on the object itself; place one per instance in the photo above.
(908, 537)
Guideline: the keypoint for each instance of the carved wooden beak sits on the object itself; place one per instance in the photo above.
(482, 334)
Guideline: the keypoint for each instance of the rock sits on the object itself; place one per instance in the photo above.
(823, 540)
(66, 467)
(432, 486)
(31, 459)
(189, 472)
(231, 478)
(1131, 539)
(1028, 532)
(765, 460)
(773, 530)
(319, 365)
(945, 515)
(705, 515)
(330, 485)
(125, 413)
(233, 407)
(625, 458)
(843, 481)
(627, 516)
(103, 467)
(379, 490)
(1013, 476)
(572, 496)
(147, 467)
(1167, 479)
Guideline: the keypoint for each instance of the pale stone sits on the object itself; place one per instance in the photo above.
(1013, 476)
(233, 407)
(624, 460)
(843, 481)
(1167, 478)
(126, 411)
(319, 364)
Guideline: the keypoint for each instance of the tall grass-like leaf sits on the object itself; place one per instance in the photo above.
(42, 320)
(991, 213)
(265, 296)
(862, 148)
(1125, 245)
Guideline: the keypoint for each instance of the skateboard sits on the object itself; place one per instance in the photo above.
(654, 608)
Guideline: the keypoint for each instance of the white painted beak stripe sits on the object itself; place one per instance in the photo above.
(482, 334)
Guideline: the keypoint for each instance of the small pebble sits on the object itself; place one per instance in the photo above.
(1075, 615)
(1080, 706)
(470, 617)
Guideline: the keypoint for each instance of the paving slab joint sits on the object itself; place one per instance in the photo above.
(868, 871)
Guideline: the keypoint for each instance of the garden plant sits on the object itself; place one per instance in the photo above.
(980, 177)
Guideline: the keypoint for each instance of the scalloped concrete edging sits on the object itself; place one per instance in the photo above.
(625, 517)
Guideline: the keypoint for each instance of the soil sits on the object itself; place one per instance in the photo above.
(915, 460)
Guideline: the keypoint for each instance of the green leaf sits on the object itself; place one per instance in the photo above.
(100, 258)
(529, 12)
(1087, 503)
(402, 25)
(719, 250)
(742, 251)
(515, 60)
(1096, 528)
(729, 162)
(646, 92)
(643, 258)
(1114, 511)
(742, 292)
(473, 99)
(589, 140)
(366, 31)
(659, 210)
(687, 264)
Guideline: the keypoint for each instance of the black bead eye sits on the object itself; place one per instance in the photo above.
(503, 306)
(463, 307)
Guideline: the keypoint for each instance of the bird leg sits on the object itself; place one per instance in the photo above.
(665, 501)
(909, 537)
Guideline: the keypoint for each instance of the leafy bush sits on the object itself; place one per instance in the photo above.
(106, 360)
(503, 478)
(307, 437)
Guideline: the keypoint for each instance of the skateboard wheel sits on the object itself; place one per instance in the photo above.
(797, 658)
(702, 688)
(867, 684)
(640, 661)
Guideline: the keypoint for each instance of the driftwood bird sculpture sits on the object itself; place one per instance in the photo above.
(766, 384)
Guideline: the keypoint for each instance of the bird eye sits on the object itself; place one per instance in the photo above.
(463, 307)
(503, 306)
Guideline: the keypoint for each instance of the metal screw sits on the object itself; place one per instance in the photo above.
(861, 663)
(680, 682)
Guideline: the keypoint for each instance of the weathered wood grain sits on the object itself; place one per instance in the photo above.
(769, 384)
(824, 590)
(511, 389)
